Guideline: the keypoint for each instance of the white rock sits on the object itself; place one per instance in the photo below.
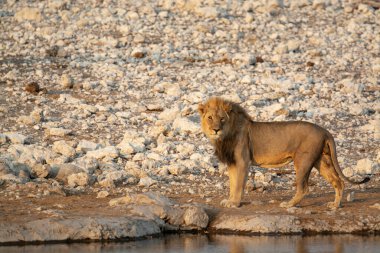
(320, 4)
(56, 131)
(176, 170)
(185, 125)
(170, 114)
(147, 182)
(246, 79)
(244, 59)
(32, 14)
(272, 5)
(63, 171)
(133, 142)
(299, 4)
(88, 164)
(148, 198)
(195, 216)
(350, 87)
(350, 196)
(376, 206)
(78, 179)
(85, 146)
(348, 172)
(293, 45)
(102, 194)
(109, 152)
(3, 139)
(373, 126)
(364, 166)
(64, 148)
(16, 138)
(155, 156)
(67, 81)
(112, 178)
(207, 12)
(89, 108)
(40, 170)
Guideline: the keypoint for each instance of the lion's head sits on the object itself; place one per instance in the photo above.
(217, 117)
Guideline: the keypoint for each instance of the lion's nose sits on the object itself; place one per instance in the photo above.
(216, 130)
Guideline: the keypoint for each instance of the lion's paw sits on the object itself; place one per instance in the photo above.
(333, 205)
(229, 203)
(286, 204)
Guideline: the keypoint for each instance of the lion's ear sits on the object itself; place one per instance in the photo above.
(201, 108)
(227, 107)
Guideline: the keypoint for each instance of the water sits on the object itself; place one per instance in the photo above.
(217, 244)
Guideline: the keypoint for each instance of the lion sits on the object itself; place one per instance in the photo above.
(239, 142)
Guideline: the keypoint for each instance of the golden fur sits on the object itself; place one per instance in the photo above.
(239, 141)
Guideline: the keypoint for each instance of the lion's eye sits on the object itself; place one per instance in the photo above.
(222, 119)
(210, 117)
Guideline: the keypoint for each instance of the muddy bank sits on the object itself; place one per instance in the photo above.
(134, 216)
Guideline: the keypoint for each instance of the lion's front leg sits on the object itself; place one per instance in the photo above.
(238, 179)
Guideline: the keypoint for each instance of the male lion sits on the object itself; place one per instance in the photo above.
(239, 141)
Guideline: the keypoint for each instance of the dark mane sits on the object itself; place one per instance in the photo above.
(224, 150)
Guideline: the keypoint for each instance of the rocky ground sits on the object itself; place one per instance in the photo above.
(99, 101)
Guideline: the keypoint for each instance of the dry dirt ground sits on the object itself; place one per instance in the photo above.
(23, 208)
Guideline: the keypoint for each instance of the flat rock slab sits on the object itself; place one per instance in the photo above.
(81, 228)
(257, 223)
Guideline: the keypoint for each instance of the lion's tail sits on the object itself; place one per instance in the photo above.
(330, 142)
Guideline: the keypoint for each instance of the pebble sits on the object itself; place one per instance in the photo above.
(350, 196)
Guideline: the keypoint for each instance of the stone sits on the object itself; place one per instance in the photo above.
(364, 167)
(195, 216)
(376, 206)
(293, 45)
(66, 81)
(348, 172)
(109, 152)
(350, 87)
(88, 164)
(170, 114)
(138, 53)
(3, 139)
(185, 125)
(102, 194)
(40, 170)
(299, 4)
(320, 4)
(32, 14)
(64, 148)
(207, 12)
(17, 138)
(112, 178)
(78, 179)
(56, 131)
(350, 196)
(82, 228)
(63, 171)
(148, 198)
(146, 182)
(258, 223)
(274, 5)
(32, 87)
(133, 142)
(85, 146)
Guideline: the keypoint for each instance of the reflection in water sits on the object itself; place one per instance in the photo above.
(215, 244)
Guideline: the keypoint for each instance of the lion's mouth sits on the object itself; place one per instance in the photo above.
(215, 136)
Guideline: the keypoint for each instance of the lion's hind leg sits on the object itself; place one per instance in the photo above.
(303, 166)
(326, 169)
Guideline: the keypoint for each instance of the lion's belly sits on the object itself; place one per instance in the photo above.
(271, 162)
